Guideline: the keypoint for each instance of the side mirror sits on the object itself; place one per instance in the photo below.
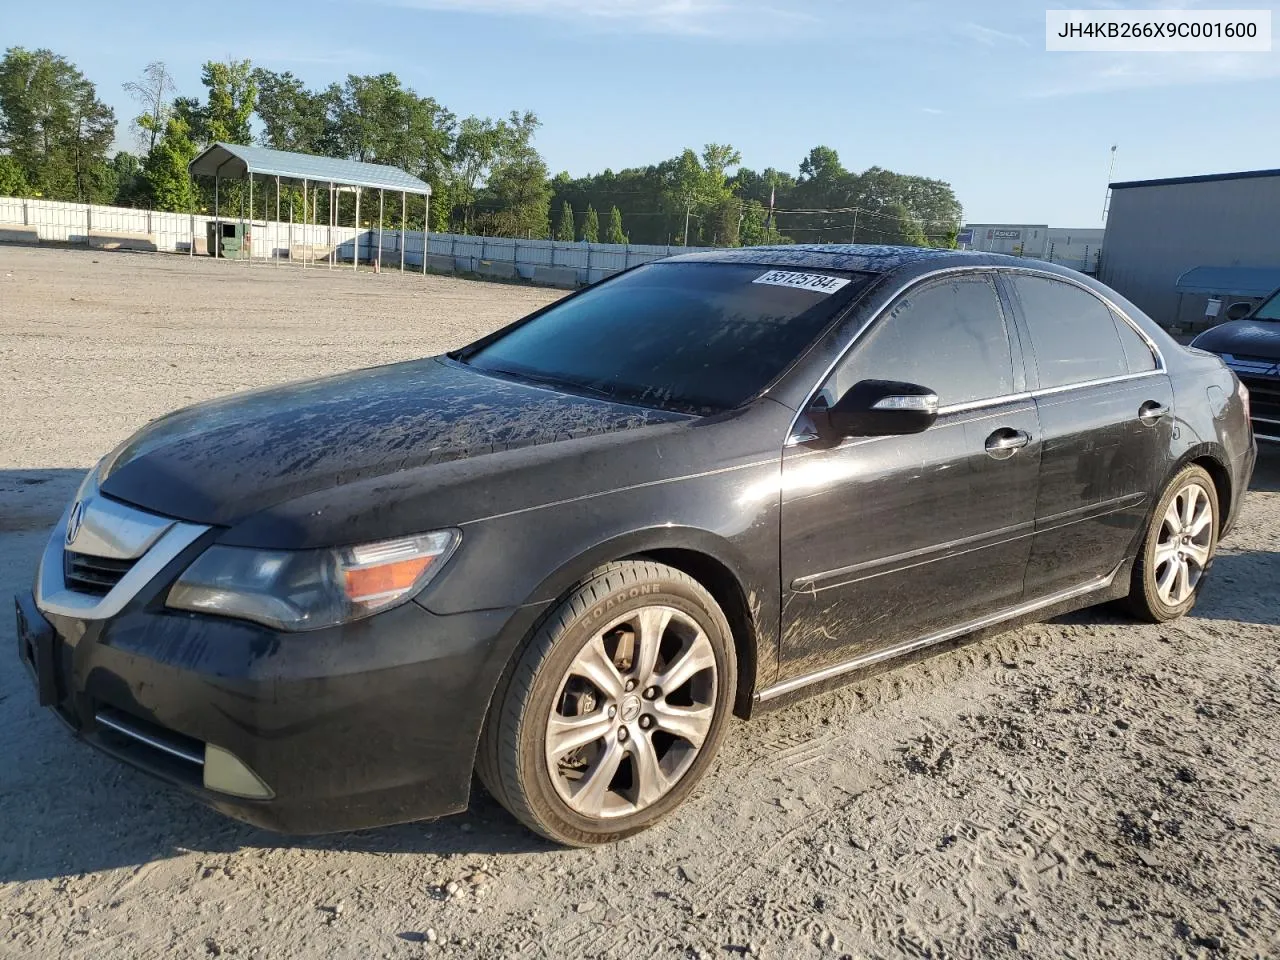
(883, 408)
(1239, 310)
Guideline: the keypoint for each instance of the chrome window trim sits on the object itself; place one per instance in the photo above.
(793, 438)
(53, 596)
(1111, 305)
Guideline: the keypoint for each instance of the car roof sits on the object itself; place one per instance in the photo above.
(868, 258)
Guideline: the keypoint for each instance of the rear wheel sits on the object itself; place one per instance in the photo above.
(615, 708)
(1178, 548)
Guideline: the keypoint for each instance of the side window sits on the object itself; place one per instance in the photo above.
(949, 335)
(1137, 353)
(1072, 331)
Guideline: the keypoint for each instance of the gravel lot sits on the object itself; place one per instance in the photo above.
(1087, 787)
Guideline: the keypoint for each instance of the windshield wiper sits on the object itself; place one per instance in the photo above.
(565, 386)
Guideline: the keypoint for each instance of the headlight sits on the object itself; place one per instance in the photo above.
(309, 589)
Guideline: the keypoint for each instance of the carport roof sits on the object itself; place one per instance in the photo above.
(1236, 281)
(237, 162)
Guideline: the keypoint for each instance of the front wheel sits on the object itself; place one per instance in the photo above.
(614, 709)
(1178, 548)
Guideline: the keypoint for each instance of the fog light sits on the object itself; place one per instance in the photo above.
(226, 773)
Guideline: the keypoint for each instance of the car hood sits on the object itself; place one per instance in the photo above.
(1243, 338)
(222, 461)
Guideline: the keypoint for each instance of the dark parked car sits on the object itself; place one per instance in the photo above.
(562, 556)
(1251, 347)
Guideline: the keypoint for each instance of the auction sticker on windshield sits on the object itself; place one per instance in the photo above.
(802, 281)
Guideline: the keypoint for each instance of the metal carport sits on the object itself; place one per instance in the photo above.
(238, 162)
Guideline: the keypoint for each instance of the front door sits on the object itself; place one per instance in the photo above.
(886, 540)
(1106, 418)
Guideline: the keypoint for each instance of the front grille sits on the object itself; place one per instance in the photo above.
(1264, 405)
(93, 575)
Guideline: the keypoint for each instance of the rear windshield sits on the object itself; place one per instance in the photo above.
(696, 337)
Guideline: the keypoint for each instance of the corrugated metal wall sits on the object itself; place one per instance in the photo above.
(171, 232)
(1155, 233)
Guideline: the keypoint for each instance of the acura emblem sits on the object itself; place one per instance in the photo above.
(74, 521)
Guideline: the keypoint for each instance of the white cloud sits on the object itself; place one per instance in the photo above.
(1102, 72)
(707, 18)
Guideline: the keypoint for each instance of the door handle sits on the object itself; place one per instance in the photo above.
(1004, 443)
(1151, 411)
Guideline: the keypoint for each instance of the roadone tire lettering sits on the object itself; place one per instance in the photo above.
(621, 597)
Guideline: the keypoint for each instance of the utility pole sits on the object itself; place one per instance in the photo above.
(688, 208)
(1106, 200)
(853, 234)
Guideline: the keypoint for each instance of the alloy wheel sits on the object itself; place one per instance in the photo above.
(631, 713)
(1184, 544)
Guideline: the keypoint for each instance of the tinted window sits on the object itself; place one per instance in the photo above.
(1137, 354)
(1270, 310)
(1074, 337)
(688, 336)
(948, 335)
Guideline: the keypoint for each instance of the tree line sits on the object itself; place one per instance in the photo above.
(486, 175)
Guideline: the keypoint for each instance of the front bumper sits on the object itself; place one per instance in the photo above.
(358, 726)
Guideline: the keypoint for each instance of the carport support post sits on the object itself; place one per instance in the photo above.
(426, 230)
(333, 254)
(217, 223)
(355, 238)
(378, 268)
(404, 212)
(275, 247)
(247, 235)
(306, 226)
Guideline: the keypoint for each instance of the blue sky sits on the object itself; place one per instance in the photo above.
(964, 92)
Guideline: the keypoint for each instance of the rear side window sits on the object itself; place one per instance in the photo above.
(948, 335)
(1137, 353)
(1072, 331)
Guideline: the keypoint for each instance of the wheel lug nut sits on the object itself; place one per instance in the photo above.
(630, 685)
(646, 722)
(622, 735)
(651, 693)
(613, 712)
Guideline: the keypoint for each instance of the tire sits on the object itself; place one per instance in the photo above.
(1176, 556)
(635, 769)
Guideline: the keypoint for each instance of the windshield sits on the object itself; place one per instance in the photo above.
(1269, 310)
(696, 337)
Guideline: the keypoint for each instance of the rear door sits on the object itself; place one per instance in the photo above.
(1105, 410)
(886, 540)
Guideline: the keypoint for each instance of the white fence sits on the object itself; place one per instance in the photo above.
(549, 261)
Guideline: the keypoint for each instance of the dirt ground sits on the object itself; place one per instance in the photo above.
(1082, 788)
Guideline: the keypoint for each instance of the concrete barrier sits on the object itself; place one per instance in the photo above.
(498, 269)
(564, 277)
(27, 235)
(102, 240)
(440, 263)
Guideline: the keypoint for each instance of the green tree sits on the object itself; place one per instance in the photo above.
(54, 126)
(614, 232)
(293, 117)
(591, 226)
(13, 181)
(166, 168)
(519, 195)
(130, 183)
(232, 95)
(564, 226)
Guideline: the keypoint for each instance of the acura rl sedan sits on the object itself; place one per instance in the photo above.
(564, 555)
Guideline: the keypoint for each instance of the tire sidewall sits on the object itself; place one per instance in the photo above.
(1186, 477)
(536, 777)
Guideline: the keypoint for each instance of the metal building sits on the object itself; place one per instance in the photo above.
(1077, 248)
(1159, 230)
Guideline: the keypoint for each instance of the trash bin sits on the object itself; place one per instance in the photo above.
(227, 240)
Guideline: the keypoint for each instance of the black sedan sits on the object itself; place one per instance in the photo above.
(1250, 346)
(564, 555)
